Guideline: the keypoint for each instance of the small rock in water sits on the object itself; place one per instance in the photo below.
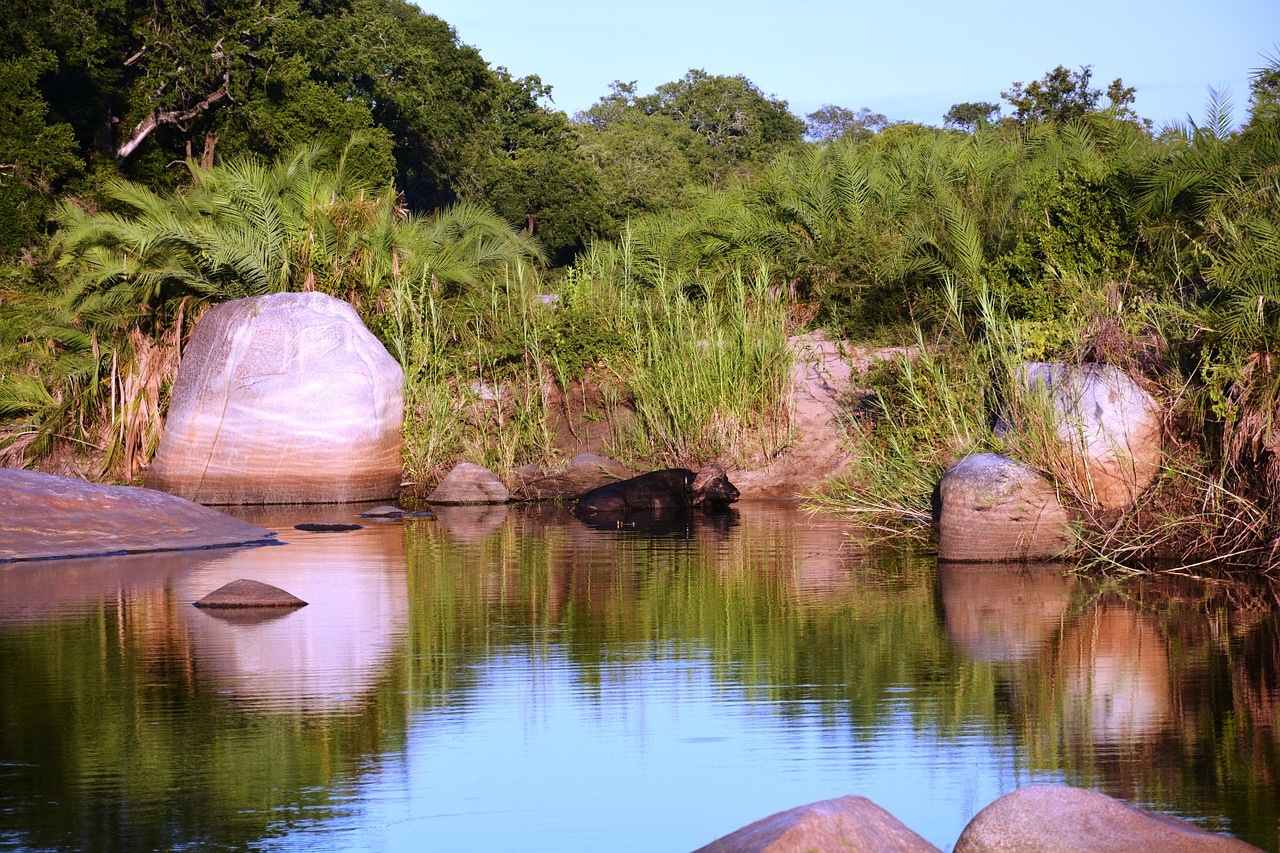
(390, 513)
(384, 511)
(467, 483)
(327, 526)
(250, 593)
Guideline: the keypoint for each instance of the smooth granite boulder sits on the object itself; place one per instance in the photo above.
(829, 826)
(285, 398)
(43, 516)
(997, 509)
(1061, 819)
(468, 483)
(1112, 427)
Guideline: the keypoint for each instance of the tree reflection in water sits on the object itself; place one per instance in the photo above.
(134, 721)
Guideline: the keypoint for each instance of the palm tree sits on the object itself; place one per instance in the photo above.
(144, 262)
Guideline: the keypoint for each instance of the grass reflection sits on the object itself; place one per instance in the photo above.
(1159, 691)
(123, 730)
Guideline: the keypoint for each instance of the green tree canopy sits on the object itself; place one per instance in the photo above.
(971, 114)
(831, 122)
(1063, 95)
(37, 155)
(739, 122)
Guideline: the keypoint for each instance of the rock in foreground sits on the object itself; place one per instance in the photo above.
(829, 826)
(997, 509)
(249, 593)
(44, 517)
(1061, 819)
(281, 399)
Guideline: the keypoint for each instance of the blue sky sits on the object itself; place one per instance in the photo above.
(908, 59)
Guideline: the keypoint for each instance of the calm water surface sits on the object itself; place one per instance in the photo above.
(497, 679)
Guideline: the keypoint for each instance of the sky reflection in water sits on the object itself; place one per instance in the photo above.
(515, 680)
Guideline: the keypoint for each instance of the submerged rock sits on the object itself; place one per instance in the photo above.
(249, 593)
(998, 509)
(286, 398)
(43, 516)
(327, 527)
(383, 511)
(390, 513)
(1062, 819)
(829, 826)
(468, 483)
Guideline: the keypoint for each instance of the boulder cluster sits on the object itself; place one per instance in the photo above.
(1035, 819)
(1108, 432)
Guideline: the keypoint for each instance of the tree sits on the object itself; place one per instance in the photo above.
(143, 85)
(739, 123)
(971, 115)
(1264, 95)
(438, 98)
(37, 155)
(642, 163)
(528, 168)
(831, 122)
(1063, 96)
(618, 105)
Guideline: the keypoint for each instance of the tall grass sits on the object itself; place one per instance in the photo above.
(706, 374)
(713, 376)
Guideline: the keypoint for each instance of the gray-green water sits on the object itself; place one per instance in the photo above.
(514, 680)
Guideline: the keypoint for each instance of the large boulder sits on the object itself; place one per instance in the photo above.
(43, 516)
(1111, 426)
(829, 826)
(996, 509)
(285, 398)
(1061, 819)
(468, 483)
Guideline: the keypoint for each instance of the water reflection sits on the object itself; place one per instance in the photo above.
(516, 679)
(471, 523)
(1004, 612)
(319, 657)
(1117, 681)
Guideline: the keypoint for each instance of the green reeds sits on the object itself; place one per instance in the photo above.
(713, 377)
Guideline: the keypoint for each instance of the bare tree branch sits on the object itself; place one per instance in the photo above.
(161, 117)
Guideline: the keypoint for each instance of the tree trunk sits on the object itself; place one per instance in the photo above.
(160, 117)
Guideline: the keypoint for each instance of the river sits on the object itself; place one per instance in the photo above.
(512, 679)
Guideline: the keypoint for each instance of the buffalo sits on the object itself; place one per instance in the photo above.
(673, 488)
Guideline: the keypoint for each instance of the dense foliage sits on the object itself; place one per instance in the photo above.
(160, 156)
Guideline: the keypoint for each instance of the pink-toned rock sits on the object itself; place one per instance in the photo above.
(1061, 819)
(829, 826)
(285, 398)
(1110, 425)
(997, 509)
(249, 593)
(468, 483)
(43, 516)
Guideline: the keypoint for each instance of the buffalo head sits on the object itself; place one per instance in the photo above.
(712, 486)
